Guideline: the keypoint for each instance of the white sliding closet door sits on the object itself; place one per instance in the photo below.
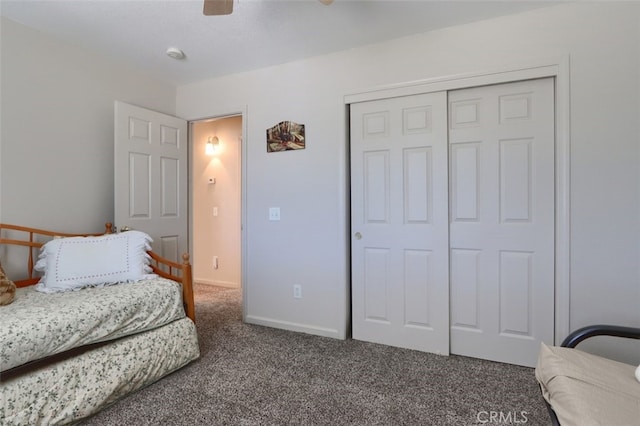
(453, 233)
(400, 283)
(502, 220)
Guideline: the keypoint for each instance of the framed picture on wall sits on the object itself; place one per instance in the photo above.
(285, 136)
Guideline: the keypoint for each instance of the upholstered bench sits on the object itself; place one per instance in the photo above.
(584, 389)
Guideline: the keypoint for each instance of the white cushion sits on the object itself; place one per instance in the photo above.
(586, 389)
(78, 262)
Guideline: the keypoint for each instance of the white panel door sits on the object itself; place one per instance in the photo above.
(502, 220)
(151, 177)
(399, 221)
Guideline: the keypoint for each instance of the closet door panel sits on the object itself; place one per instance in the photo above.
(502, 172)
(399, 193)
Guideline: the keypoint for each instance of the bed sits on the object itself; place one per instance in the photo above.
(82, 333)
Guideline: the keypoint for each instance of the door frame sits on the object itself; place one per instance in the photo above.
(231, 112)
(557, 67)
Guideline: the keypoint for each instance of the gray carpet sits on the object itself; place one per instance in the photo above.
(252, 375)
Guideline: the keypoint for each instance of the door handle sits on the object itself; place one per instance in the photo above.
(357, 236)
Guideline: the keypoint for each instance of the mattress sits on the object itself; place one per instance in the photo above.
(80, 386)
(586, 389)
(37, 325)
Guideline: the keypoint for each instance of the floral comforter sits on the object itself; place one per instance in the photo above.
(37, 325)
(80, 386)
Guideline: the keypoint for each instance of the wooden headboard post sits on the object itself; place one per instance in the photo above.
(187, 287)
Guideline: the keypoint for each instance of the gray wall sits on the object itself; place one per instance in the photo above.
(56, 140)
(309, 245)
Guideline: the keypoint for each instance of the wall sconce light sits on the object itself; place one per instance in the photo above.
(212, 145)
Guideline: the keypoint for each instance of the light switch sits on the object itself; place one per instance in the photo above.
(215, 211)
(274, 213)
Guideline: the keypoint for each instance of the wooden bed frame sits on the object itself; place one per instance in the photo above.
(34, 239)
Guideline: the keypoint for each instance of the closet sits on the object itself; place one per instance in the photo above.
(452, 220)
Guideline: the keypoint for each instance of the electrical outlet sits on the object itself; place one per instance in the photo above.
(215, 262)
(274, 213)
(297, 291)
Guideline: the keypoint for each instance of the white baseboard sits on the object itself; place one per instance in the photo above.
(291, 326)
(216, 283)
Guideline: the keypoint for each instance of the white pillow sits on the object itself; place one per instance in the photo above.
(77, 262)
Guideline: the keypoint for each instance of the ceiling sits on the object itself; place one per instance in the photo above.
(259, 33)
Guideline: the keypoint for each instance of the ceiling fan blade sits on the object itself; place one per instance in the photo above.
(218, 7)
(326, 2)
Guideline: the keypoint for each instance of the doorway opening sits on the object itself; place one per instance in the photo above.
(216, 200)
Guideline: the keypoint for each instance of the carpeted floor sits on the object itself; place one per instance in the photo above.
(252, 375)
